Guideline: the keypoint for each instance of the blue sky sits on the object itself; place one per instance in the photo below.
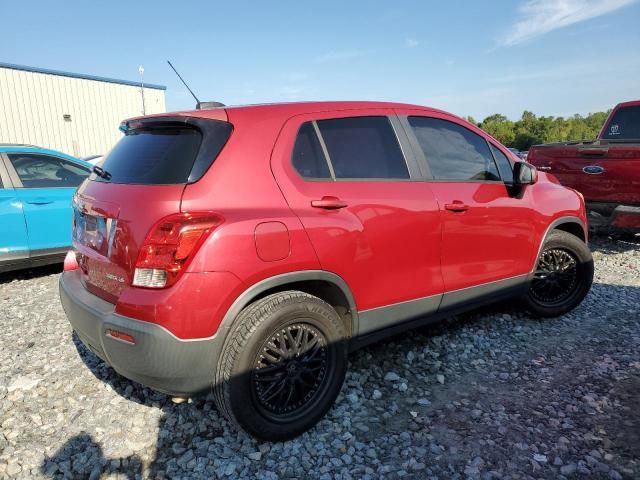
(553, 57)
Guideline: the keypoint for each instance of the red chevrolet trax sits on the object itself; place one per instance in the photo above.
(248, 249)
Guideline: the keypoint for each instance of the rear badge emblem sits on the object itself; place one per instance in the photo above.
(113, 277)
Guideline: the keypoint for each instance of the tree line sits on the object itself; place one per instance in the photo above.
(532, 130)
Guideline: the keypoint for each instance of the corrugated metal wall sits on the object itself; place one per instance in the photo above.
(33, 106)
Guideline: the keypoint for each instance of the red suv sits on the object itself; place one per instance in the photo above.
(248, 249)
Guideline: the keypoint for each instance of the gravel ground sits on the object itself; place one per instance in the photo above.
(494, 394)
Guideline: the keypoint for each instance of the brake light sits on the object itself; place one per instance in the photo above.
(169, 246)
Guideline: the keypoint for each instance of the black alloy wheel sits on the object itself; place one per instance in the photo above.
(562, 276)
(282, 365)
(290, 369)
(556, 276)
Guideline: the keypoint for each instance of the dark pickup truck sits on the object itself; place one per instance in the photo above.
(606, 170)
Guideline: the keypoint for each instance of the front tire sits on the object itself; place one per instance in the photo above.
(563, 276)
(282, 365)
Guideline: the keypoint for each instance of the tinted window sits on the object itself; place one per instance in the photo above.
(504, 164)
(453, 151)
(363, 147)
(625, 124)
(153, 156)
(45, 171)
(308, 158)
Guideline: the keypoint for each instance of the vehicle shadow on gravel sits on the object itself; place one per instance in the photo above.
(187, 431)
(30, 273)
(180, 427)
(82, 457)
(614, 242)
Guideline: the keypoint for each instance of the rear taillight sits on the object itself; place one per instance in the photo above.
(70, 261)
(169, 246)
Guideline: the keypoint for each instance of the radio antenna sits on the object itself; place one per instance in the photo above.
(185, 83)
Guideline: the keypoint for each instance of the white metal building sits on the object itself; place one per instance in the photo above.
(74, 113)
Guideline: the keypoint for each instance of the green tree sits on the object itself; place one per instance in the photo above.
(531, 130)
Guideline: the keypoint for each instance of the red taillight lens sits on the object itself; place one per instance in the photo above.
(70, 261)
(169, 246)
(118, 335)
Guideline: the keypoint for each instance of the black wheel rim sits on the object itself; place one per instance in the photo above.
(556, 276)
(290, 369)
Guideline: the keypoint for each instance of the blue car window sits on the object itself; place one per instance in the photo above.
(45, 171)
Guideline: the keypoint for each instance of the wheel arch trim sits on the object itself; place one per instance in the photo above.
(270, 283)
(552, 226)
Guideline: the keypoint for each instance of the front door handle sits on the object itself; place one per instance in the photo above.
(39, 201)
(457, 206)
(544, 168)
(328, 203)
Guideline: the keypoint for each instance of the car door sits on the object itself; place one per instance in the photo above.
(487, 236)
(370, 221)
(45, 185)
(14, 246)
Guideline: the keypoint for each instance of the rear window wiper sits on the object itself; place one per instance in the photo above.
(102, 173)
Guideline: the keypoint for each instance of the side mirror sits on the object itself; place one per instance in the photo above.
(524, 174)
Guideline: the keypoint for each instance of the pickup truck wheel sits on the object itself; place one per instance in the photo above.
(563, 276)
(282, 365)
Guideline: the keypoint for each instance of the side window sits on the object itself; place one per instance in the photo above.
(44, 171)
(504, 164)
(453, 151)
(308, 158)
(363, 147)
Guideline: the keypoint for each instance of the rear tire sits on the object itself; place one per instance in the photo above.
(282, 365)
(563, 276)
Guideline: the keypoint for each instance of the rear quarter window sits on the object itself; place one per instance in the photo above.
(308, 158)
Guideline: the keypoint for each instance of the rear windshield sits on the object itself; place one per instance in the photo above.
(165, 153)
(625, 124)
(153, 156)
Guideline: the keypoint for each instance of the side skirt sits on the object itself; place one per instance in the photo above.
(384, 322)
(22, 260)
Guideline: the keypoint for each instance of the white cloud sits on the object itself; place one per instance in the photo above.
(538, 17)
(411, 42)
(340, 55)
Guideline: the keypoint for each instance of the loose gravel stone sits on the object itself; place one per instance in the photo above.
(493, 394)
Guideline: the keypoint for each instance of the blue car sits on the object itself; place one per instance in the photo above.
(36, 186)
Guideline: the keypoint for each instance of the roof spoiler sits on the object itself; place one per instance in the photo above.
(208, 105)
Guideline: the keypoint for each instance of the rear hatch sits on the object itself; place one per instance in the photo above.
(141, 182)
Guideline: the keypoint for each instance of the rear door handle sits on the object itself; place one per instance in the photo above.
(328, 203)
(39, 201)
(457, 207)
(544, 169)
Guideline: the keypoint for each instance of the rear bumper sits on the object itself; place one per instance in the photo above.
(613, 216)
(158, 359)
